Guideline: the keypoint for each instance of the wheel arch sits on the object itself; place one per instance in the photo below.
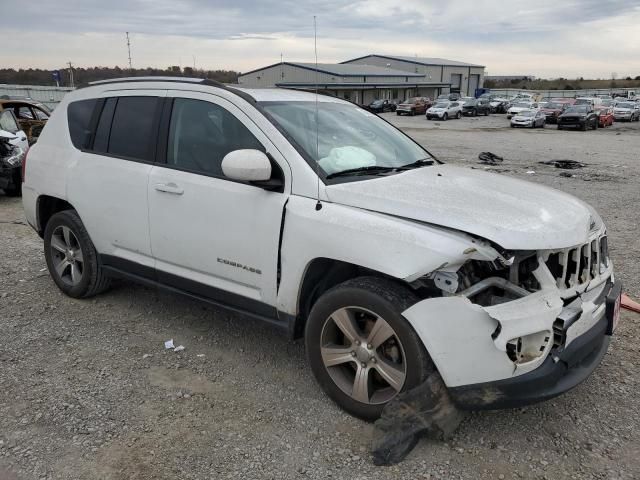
(46, 207)
(322, 274)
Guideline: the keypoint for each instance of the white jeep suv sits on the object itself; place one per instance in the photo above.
(322, 219)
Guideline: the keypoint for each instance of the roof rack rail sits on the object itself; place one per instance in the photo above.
(198, 81)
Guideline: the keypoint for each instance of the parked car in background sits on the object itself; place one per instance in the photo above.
(498, 103)
(412, 106)
(475, 107)
(382, 106)
(9, 124)
(32, 116)
(12, 152)
(626, 111)
(608, 102)
(578, 116)
(445, 110)
(552, 110)
(518, 107)
(452, 97)
(595, 102)
(605, 117)
(529, 118)
(564, 100)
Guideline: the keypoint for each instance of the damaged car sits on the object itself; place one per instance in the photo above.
(322, 219)
(32, 116)
(13, 148)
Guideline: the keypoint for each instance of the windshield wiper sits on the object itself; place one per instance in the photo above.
(369, 170)
(375, 169)
(423, 162)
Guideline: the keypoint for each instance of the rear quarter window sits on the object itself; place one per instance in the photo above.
(79, 118)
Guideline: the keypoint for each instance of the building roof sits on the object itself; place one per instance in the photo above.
(345, 70)
(360, 85)
(431, 61)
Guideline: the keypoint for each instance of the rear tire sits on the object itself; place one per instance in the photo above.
(339, 326)
(72, 258)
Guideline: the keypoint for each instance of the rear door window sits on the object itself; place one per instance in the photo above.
(132, 129)
(79, 118)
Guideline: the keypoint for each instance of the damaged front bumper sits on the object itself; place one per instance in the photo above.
(563, 369)
(521, 351)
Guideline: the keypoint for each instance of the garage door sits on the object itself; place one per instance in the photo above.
(456, 81)
(474, 82)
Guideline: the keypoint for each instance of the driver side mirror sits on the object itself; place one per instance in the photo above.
(252, 166)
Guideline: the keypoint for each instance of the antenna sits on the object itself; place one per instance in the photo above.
(315, 48)
(129, 50)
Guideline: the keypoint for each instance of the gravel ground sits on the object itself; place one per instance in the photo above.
(88, 391)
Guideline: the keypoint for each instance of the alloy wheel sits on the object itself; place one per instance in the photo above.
(66, 255)
(363, 355)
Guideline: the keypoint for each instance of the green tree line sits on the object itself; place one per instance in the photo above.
(37, 76)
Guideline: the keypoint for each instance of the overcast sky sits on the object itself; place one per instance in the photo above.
(546, 38)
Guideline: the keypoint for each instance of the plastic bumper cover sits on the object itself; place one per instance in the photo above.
(562, 370)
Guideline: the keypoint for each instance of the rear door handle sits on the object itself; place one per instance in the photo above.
(169, 188)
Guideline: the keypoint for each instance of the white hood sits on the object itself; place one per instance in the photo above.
(515, 214)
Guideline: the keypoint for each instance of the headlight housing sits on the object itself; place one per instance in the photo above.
(15, 157)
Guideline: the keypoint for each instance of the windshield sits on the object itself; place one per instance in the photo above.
(625, 105)
(376, 102)
(347, 136)
(553, 106)
(522, 105)
(583, 101)
(577, 109)
(411, 100)
(441, 105)
(526, 113)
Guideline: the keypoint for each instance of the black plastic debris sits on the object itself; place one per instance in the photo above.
(567, 174)
(489, 158)
(566, 164)
(426, 410)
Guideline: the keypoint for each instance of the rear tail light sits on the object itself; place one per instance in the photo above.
(24, 164)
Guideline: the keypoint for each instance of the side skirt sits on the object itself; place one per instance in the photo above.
(120, 268)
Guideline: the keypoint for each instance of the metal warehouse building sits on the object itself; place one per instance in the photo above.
(364, 79)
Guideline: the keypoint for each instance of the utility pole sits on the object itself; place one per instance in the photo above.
(71, 83)
(129, 50)
(194, 63)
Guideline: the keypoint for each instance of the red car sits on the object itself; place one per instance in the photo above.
(564, 100)
(605, 117)
(552, 109)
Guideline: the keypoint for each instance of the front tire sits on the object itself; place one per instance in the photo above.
(445, 117)
(71, 257)
(361, 349)
(459, 115)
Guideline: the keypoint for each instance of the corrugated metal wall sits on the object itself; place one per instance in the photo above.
(50, 96)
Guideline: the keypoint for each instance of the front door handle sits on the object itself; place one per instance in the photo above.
(169, 188)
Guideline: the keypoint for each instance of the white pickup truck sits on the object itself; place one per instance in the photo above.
(324, 220)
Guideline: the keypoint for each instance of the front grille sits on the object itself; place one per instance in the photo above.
(573, 267)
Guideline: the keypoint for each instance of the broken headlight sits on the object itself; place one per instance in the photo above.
(13, 157)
